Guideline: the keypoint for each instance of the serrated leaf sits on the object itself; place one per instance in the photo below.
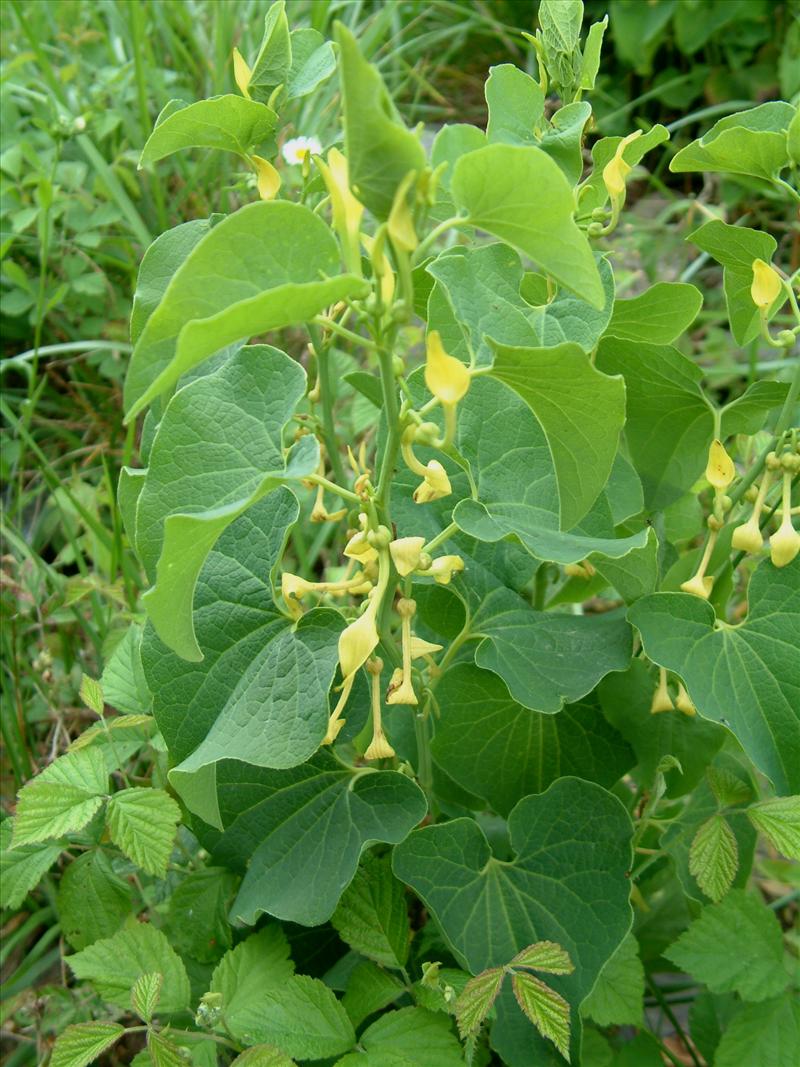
(114, 964)
(123, 680)
(618, 997)
(370, 989)
(163, 1052)
(91, 693)
(229, 123)
(409, 1037)
(380, 150)
(303, 1018)
(197, 922)
(142, 822)
(714, 857)
(574, 832)
(734, 947)
(657, 316)
(82, 1043)
(61, 799)
(754, 686)
(93, 901)
(519, 194)
(22, 868)
(372, 916)
(546, 1009)
(779, 820)
(281, 263)
(476, 999)
(727, 787)
(545, 956)
(259, 963)
(762, 1035)
(263, 1056)
(146, 993)
(520, 751)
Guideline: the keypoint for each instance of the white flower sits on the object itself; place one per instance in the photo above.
(296, 150)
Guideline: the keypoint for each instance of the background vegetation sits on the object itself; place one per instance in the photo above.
(81, 84)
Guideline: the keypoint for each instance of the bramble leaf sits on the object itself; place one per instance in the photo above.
(546, 1009)
(82, 1043)
(146, 993)
(476, 999)
(61, 799)
(142, 822)
(259, 963)
(713, 857)
(779, 820)
(372, 915)
(22, 867)
(93, 901)
(409, 1037)
(762, 1035)
(617, 998)
(303, 1018)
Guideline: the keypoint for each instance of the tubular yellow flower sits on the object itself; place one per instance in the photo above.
(347, 209)
(446, 377)
(616, 170)
(435, 485)
(420, 647)
(405, 552)
(698, 585)
(443, 568)
(662, 701)
(400, 223)
(268, 180)
(381, 265)
(766, 286)
(784, 544)
(404, 692)
(720, 470)
(683, 702)
(293, 586)
(748, 537)
(358, 640)
(241, 73)
(379, 747)
(335, 721)
(359, 548)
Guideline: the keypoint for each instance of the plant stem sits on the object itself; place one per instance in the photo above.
(335, 327)
(332, 487)
(437, 231)
(327, 396)
(392, 412)
(440, 538)
(667, 1010)
(785, 417)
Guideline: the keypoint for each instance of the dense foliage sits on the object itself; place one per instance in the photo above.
(463, 702)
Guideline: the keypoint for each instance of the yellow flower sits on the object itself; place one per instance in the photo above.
(698, 585)
(379, 747)
(419, 648)
(446, 377)
(443, 568)
(241, 73)
(336, 722)
(347, 209)
(358, 547)
(293, 586)
(435, 485)
(748, 537)
(720, 470)
(358, 641)
(401, 690)
(268, 180)
(662, 701)
(616, 170)
(381, 265)
(405, 552)
(401, 222)
(683, 702)
(766, 286)
(785, 542)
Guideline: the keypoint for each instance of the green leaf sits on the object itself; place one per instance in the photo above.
(762, 1035)
(521, 196)
(91, 693)
(62, 798)
(114, 964)
(159, 263)
(573, 835)
(563, 138)
(476, 1000)
(370, 989)
(727, 787)
(142, 822)
(22, 867)
(163, 1052)
(410, 1037)
(335, 810)
(303, 1018)
(617, 998)
(590, 64)
(516, 106)
(779, 820)
(254, 660)
(229, 123)
(380, 150)
(502, 752)
(92, 900)
(268, 265)
(749, 142)
(451, 142)
(82, 1043)
(753, 687)
(669, 423)
(491, 300)
(749, 412)
(263, 1056)
(313, 62)
(146, 994)
(198, 914)
(259, 963)
(634, 575)
(692, 740)
(545, 956)
(709, 1015)
(546, 1009)
(714, 857)
(372, 916)
(735, 247)
(735, 946)
(208, 469)
(123, 680)
(657, 316)
(274, 57)
(582, 433)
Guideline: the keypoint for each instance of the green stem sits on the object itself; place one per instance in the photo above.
(424, 764)
(327, 395)
(785, 417)
(436, 232)
(332, 487)
(342, 331)
(667, 1010)
(440, 538)
(392, 413)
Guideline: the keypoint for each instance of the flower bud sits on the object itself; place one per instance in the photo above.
(616, 170)
(720, 470)
(268, 180)
(748, 537)
(766, 286)
(683, 702)
(662, 701)
(784, 544)
(699, 586)
(405, 553)
(241, 73)
(400, 223)
(446, 377)
(424, 434)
